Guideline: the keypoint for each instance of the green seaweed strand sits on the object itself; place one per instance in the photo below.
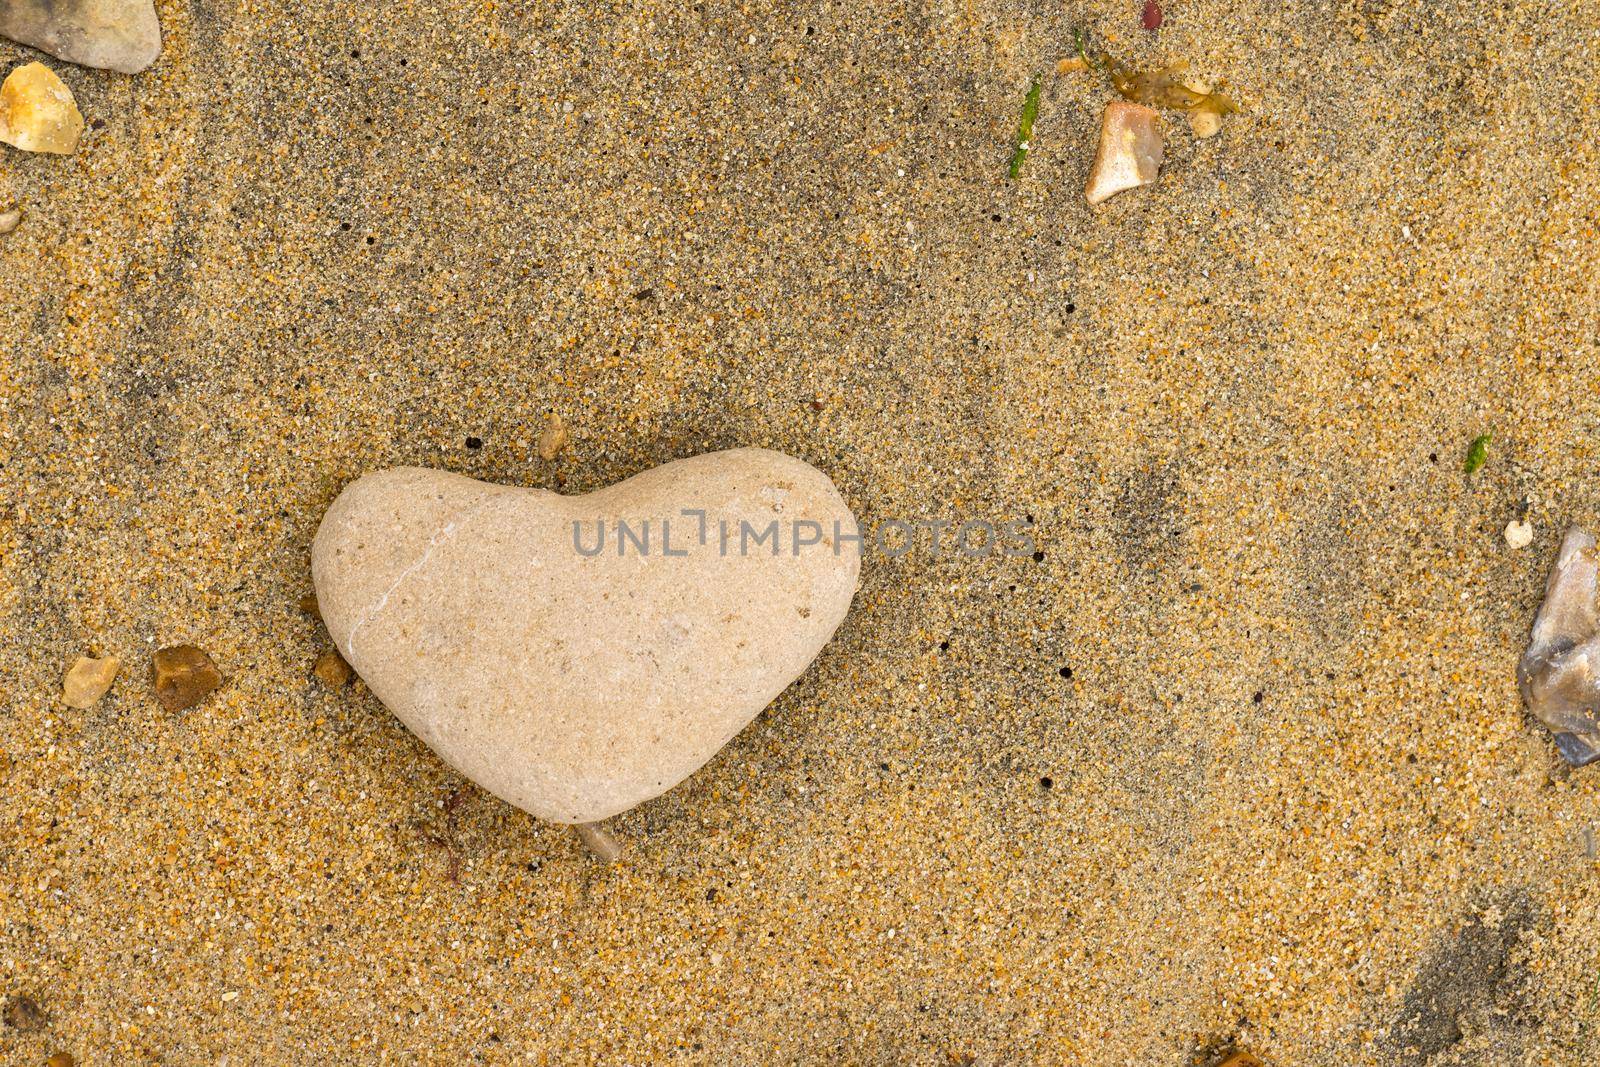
(1030, 112)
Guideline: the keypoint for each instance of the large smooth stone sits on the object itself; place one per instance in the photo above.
(121, 35)
(577, 686)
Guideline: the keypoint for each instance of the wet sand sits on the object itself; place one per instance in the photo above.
(1288, 794)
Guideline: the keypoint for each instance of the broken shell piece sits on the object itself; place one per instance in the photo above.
(1519, 533)
(1559, 675)
(1130, 151)
(37, 111)
(604, 845)
(120, 35)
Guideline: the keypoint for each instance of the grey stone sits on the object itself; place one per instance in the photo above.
(121, 35)
(1560, 673)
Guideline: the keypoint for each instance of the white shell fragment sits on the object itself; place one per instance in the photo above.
(1560, 673)
(1130, 151)
(1519, 533)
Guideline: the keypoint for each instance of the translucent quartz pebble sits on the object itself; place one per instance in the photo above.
(37, 112)
(1560, 673)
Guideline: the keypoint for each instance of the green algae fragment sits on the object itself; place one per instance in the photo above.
(1478, 452)
(1030, 112)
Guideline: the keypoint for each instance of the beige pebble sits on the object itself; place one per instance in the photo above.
(553, 438)
(577, 685)
(10, 220)
(88, 680)
(1205, 122)
(1130, 151)
(37, 111)
(1519, 533)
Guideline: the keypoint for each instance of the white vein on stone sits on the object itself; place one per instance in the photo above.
(446, 532)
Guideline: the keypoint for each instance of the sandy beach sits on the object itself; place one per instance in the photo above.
(1237, 760)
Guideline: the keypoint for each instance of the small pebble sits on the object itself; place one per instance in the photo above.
(21, 1013)
(61, 1059)
(1240, 1058)
(1519, 533)
(331, 670)
(88, 680)
(37, 111)
(183, 676)
(308, 604)
(1203, 122)
(10, 220)
(553, 438)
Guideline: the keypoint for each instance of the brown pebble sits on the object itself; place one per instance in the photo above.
(87, 681)
(61, 1059)
(21, 1013)
(308, 604)
(553, 438)
(332, 670)
(1240, 1058)
(183, 676)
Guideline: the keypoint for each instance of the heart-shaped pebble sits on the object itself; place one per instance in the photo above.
(573, 682)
